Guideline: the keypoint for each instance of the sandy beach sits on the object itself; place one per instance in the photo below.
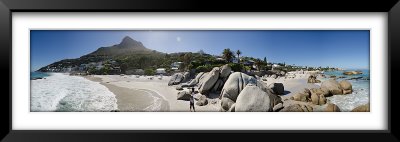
(143, 94)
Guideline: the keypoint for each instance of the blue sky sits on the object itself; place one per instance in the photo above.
(345, 49)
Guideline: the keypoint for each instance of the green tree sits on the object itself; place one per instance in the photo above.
(123, 63)
(227, 55)
(204, 68)
(247, 68)
(236, 67)
(142, 62)
(258, 64)
(92, 70)
(149, 72)
(187, 59)
(238, 52)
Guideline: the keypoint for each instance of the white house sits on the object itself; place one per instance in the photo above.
(175, 65)
(220, 59)
(160, 71)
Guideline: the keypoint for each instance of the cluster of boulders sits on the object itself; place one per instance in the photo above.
(337, 88)
(317, 96)
(329, 107)
(212, 81)
(352, 72)
(298, 108)
(314, 95)
(328, 88)
(313, 79)
(240, 92)
(271, 73)
(206, 82)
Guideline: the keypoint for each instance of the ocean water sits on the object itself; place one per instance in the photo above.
(35, 75)
(361, 90)
(61, 92)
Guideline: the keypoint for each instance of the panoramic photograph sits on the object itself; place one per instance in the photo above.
(199, 71)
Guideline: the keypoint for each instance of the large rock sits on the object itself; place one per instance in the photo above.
(226, 103)
(277, 88)
(209, 80)
(232, 109)
(322, 100)
(176, 79)
(318, 96)
(218, 86)
(277, 107)
(346, 86)
(331, 108)
(318, 99)
(196, 80)
(297, 108)
(282, 73)
(225, 71)
(252, 98)
(186, 77)
(313, 79)
(301, 96)
(333, 86)
(352, 72)
(235, 83)
(275, 100)
(315, 99)
(319, 91)
(202, 101)
(183, 95)
(362, 108)
(179, 87)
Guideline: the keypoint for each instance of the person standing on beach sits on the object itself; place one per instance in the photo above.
(192, 100)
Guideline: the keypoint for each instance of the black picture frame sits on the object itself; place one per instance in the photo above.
(7, 7)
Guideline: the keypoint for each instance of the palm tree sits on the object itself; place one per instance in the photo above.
(258, 63)
(227, 55)
(238, 52)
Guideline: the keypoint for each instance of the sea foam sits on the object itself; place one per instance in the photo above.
(61, 92)
(359, 96)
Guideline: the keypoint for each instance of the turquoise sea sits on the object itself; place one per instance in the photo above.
(361, 89)
(37, 75)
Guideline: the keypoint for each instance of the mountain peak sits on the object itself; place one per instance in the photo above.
(129, 42)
